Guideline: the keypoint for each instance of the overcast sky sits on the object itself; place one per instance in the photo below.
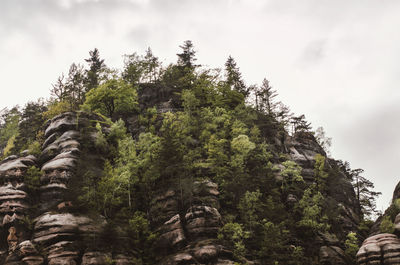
(337, 62)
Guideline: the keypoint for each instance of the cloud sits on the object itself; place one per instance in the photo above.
(335, 61)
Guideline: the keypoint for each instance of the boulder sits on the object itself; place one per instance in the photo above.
(380, 249)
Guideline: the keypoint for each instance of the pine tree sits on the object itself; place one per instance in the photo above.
(74, 85)
(265, 98)
(300, 124)
(96, 68)
(187, 57)
(234, 77)
(365, 195)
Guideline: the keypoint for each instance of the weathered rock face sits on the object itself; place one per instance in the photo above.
(187, 225)
(14, 210)
(61, 235)
(303, 149)
(381, 248)
(189, 236)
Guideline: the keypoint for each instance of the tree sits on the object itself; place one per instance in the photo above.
(133, 69)
(292, 178)
(300, 124)
(365, 195)
(187, 57)
(59, 90)
(74, 86)
(265, 98)
(152, 67)
(234, 235)
(234, 77)
(324, 141)
(96, 68)
(9, 128)
(114, 96)
(386, 226)
(351, 245)
(311, 205)
(141, 69)
(248, 206)
(30, 125)
(72, 89)
(320, 174)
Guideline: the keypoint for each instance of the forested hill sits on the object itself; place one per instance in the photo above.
(175, 164)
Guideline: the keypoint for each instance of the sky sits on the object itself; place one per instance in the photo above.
(337, 62)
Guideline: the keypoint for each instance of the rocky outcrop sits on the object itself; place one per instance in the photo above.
(380, 249)
(62, 235)
(15, 207)
(186, 219)
(302, 148)
(189, 235)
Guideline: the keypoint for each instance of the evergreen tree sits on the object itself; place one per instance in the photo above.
(365, 195)
(95, 71)
(74, 86)
(152, 67)
(187, 57)
(300, 124)
(265, 98)
(234, 77)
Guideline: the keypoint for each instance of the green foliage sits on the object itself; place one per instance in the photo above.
(187, 57)
(101, 140)
(274, 245)
(9, 120)
(320, 173)
(114, 96)
(140, 69)
(351, 245)
(234, 235)
(57, 108)
(35, 148)
(241, 147)
(9, 147)
(311, 205)
(96, 70)
(32, 178)
(148, 149)
(386, 226)
(140, 232)
(193, 124)
(292, 171)
(248, 206)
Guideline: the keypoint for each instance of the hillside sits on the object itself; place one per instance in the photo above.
(174, 165)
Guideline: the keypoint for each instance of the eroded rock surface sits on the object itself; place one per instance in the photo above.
(380, 249)
(61, 236)
(189, 236)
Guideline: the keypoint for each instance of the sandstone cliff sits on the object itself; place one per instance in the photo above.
(43, 226)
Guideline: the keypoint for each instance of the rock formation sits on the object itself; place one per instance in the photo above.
(382, 248)
(187, 225)
(303, 149)
(59, 233)
(189, 236)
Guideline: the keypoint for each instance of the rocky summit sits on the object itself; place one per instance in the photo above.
(179, 165)
(51, 232)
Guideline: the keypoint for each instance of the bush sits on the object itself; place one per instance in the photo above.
(234, 235)
(386, 226)
(56, 109)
